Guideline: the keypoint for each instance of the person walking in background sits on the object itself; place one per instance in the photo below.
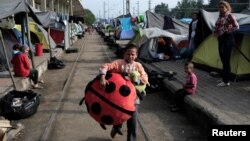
(90, 30)
(192, 28)
(225, 25)
(22, 67)
(189, 88)
(126, 66)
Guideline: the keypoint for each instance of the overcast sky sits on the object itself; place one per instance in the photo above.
(114, 8)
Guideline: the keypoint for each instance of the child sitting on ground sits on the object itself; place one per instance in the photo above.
(189, 88)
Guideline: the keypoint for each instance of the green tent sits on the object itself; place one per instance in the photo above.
(136, 39)
(38, 35)
(207, 56)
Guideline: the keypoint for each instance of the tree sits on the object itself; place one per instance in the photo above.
(89, 17)
(185, 8)
(162, 9)
(237, 5)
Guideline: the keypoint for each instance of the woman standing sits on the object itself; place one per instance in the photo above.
(224, 27)
(192, 29)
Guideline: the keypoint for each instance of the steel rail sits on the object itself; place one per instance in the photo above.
(49, 126)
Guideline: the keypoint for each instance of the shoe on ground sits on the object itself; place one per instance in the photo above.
(173, 105)
(41, 81)
(175, 109)
(113, 133)
(36, 86)
(118, 130)
(219, 81)
(223, 84)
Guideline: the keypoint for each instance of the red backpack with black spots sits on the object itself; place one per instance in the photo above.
(115, 104)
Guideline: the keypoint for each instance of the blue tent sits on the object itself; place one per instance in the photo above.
(186, 20)
(126, 29)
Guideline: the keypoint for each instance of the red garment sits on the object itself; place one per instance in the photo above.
(191, 79)
(225, 23)
(21, 65)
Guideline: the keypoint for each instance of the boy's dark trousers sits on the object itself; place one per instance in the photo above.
(179, 97)
(34, 75)
(131, 126)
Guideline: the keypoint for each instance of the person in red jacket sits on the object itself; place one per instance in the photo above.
(22, 67)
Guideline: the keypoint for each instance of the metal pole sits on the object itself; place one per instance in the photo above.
(71, 26)
(123, 7)
(127, 6)
(50, 49)
(149, 5)
(108, 9)
(104, 10)
(7, 60)
(29, 42)
(138, 8)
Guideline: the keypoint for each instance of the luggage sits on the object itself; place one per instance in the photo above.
(155, 79)
(19, 104)
(54, 63)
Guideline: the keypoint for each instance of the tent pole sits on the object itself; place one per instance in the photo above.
(29, 42)
(50, 49)
(7, 59)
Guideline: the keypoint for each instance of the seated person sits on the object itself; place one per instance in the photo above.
(164, 51)
(22, 67)
(16, 49)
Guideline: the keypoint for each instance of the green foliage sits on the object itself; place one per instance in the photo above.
(185, 8)
(162, 9)
(89, 17)
(237, 5)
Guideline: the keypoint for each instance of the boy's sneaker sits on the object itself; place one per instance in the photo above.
(175, 109)
(219, 81)
(173, 105)
(223, 84)
(113, 133)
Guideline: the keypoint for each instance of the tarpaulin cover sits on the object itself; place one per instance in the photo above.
(161, 22)
(127, 31)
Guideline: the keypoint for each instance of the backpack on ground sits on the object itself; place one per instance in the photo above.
(54, 63)
(155, 79)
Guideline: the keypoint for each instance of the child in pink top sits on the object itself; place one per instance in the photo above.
(188, 88)
(125, 66)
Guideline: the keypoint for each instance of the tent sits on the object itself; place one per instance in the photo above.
(59, 26)
(39, 35)
(246, 11)
(166, 23)
(206, 55)
(125, 31)
(124, 27)
(147, 40)
(9, 40)
(9, 8)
